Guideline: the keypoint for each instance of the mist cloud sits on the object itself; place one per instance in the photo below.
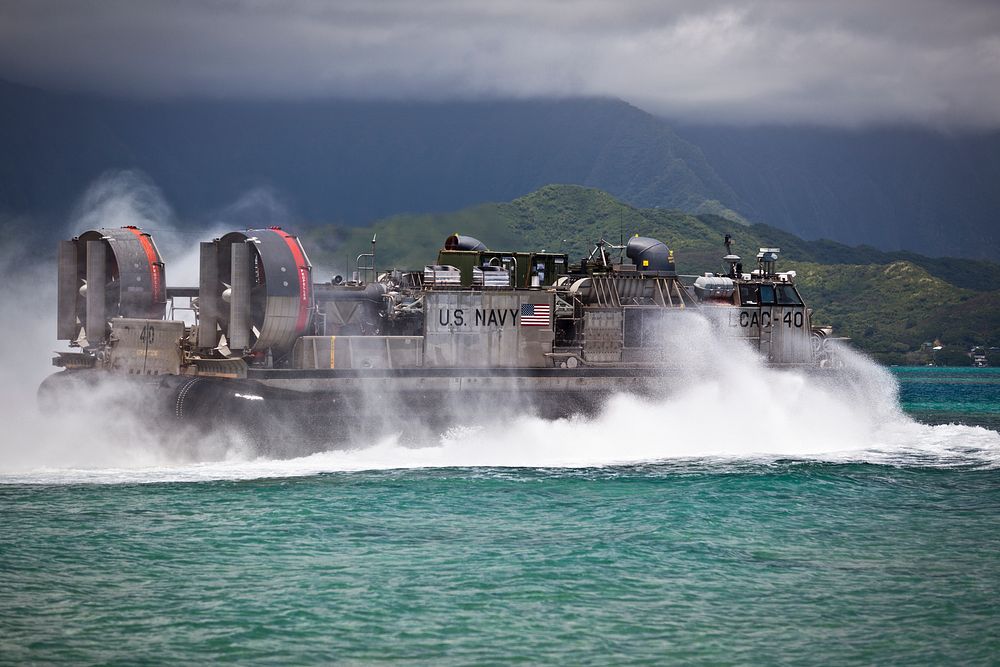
(843, 63)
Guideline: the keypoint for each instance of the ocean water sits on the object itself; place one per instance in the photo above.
(750, 517)
(951, 395)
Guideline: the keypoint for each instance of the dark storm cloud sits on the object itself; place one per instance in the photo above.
(844, 62)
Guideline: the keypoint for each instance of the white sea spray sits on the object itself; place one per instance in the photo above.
(720, 402)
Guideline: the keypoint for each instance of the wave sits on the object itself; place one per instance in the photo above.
(724, 405)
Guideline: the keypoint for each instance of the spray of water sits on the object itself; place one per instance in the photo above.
(119, 199)
(720, 402)
(101, 427)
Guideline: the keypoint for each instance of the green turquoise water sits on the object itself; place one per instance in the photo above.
(951, 395)
(885, 551)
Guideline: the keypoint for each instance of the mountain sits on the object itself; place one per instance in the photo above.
(890, 304)
(892, 188)
(341, 161)
(353, 162)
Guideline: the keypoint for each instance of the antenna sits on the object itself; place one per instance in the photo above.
(735, 266)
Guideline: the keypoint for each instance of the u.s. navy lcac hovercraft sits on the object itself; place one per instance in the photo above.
(280, 355)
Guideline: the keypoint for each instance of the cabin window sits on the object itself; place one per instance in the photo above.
(749, 295)
(787, 296)
(767, 294)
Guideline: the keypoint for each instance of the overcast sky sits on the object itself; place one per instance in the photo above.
(839, 62)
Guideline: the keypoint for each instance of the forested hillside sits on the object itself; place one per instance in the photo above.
(890, 304)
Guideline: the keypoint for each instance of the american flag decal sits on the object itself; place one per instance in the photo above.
(535, 314)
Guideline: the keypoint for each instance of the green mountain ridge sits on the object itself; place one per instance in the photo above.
(888, 303)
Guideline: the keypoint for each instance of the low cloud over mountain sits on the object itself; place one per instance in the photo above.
(846, 63)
